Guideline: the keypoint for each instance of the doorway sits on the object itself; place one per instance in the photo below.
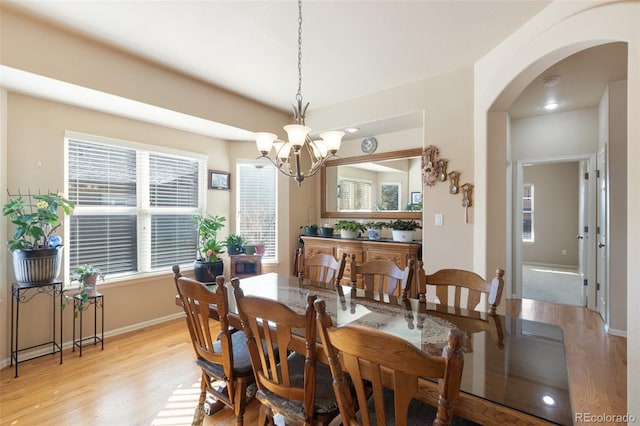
(556, 208)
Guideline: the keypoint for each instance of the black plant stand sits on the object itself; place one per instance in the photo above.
(23, 293)
(97, 300)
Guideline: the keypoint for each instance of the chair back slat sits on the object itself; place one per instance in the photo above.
(468, 282)
(382, 277)
(375, 360)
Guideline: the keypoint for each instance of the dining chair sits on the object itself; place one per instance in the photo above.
(323, 268)
(385, 371)
(284, 362)
(223, 358)
(382, 277)
(450, 283)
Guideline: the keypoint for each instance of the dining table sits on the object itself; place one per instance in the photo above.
(515, 370)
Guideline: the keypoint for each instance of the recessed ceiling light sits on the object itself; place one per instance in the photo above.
(552, 81)
(351, 129)
(547, 399)
(550, 106)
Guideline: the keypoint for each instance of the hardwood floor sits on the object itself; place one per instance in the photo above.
(148, 377)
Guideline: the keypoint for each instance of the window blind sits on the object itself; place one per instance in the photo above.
(134, 207)
(256, 201)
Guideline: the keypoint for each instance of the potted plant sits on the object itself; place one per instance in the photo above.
(36, 251)
(235, 244)
(349, 228)
(310, 229)
(374, 229)
(87, 276)
(208, 264)
(402, 230)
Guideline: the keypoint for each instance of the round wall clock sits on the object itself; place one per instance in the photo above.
(369, 145)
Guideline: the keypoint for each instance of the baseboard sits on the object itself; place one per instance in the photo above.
(550, 265)
(25, 356)
(614, 332)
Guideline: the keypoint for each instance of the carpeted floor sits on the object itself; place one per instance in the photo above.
(552, 284)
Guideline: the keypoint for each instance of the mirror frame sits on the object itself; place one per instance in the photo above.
(415, 152)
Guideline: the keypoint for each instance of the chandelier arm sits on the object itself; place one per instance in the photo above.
(279, 165)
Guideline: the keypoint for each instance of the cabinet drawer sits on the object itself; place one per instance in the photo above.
(399, 259)
(346, 278)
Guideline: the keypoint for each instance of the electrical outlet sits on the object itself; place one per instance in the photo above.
(438, 219)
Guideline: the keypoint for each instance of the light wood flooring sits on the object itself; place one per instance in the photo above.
(148, 377)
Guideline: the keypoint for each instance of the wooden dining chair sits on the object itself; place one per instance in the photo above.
(288, 379)
(389, 369)
(382, 277)
(221, 353)
(323, 268)
(450, 283)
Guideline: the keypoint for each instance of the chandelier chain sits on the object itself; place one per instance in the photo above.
(299, 94)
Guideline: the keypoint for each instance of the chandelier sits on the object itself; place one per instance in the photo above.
(287, 154)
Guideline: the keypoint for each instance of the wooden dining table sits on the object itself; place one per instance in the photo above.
(515, 370)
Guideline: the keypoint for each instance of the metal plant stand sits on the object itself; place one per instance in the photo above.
(97, 301)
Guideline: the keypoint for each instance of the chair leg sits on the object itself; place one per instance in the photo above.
(240, 402)
(266, 416)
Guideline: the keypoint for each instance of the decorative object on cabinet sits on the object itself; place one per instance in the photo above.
(326, 231)
(374, 229)
(453, 179)
(402, 230)
(219, 180)
(36, 251)
(208, 264)
(349, 228)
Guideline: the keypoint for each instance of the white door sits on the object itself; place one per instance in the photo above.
(602, 261)
(583, 223)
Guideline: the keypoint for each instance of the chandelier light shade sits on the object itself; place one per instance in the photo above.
(286, 154)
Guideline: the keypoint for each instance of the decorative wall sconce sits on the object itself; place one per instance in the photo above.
(453, 182)
(442, 170)
(467, 188)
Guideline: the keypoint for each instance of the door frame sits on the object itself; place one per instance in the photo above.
(516, 229)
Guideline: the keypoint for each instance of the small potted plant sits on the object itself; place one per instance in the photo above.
(374, 229)
(349, 228)
(87, 276)
(310, 229)
(208, 264)
(235, 244)
(402, 230)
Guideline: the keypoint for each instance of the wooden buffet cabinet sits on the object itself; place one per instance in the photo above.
(365, 251)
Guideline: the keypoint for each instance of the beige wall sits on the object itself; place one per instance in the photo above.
(559, 30)
(556, 214)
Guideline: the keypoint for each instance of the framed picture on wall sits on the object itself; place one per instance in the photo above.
(416, 197)
(219, 180)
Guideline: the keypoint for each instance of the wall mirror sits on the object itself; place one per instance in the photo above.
(376, 186)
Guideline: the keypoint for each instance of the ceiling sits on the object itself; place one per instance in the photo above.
(350, 48)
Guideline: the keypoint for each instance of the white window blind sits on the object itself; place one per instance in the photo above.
(354, 195)
(134, 207)
(256, 205)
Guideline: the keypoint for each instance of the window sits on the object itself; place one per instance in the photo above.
(354, 195)
(256, 206)
(527, 213)
(134, 206)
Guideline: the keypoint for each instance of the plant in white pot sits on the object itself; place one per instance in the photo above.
(349, 228)
(402, 230)
(208, 264)
(36, 251)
